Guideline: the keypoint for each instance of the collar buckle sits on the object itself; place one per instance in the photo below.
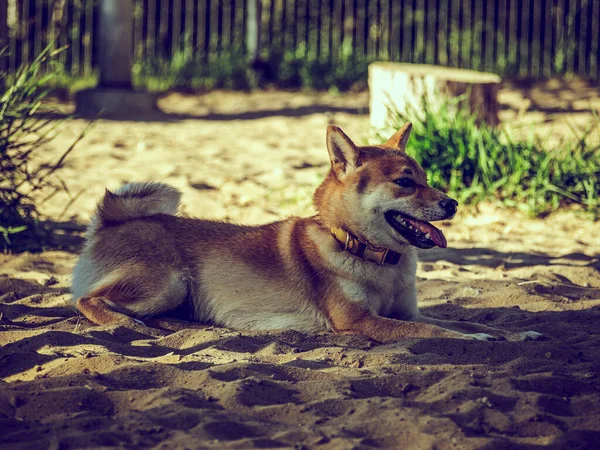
(362, 249)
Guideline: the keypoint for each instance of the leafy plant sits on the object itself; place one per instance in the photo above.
(474, 161)
(26, 126)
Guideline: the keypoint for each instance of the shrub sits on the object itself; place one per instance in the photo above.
(25, 127)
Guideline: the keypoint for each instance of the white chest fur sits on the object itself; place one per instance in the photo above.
(384, 290)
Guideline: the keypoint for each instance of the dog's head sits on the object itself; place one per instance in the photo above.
(381, 194)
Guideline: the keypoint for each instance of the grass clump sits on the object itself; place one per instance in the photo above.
(231, 70)
(476, 162)
(193, 72)
(26, 126)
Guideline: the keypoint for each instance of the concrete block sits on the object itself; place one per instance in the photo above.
(115, 103)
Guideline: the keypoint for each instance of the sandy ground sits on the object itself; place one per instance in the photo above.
(253, 158)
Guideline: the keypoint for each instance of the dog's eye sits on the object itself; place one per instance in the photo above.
(405, 182)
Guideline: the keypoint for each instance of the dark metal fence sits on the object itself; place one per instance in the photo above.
(537, 38)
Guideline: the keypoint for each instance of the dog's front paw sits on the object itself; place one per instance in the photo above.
(525, 336)
(132, 322)
(481, 337)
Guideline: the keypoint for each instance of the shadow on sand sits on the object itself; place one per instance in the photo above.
(487, 257)
(158, 115)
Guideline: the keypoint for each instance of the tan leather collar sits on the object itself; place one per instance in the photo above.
(363, 249)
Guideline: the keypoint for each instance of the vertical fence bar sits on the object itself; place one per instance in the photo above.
(51, 31)
(307, 28)
(187, 24)
(441, 25)
(207, 30)
(37, 28)
(274, 24)
(568, 36)
(201, 28)
(12, 39)
(149, 42)
(401, 39)
(284, 28)
(507, 33)
(450, 60)
(424, 16)
(472, 31)
(519, 42)
(380, 30)
(368, 43)
(4, 43)
(413, 32)
(163, 50)
(495, 40)
(595, 39)
(75, 38)
(24, 34)
(365, 29)
(418, 39)
(581, 38)
(330, 33)
(389, 15)
(574, 34)
(89, 36)
(484, 36)
(396, 27)
(138, 29)
(341, 34)
(588, 36)
(295, 25)
(175, 26)
(543, 37)
(271, 24)
(461, 32)
(436, 32)
(551, 34)
(554, 24)
(318, 31)
(530, 38)
(3, 28)
(219, 40)
(233, 51)
(233, 29)
(536, 38)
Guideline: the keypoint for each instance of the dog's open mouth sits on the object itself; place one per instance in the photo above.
(417, 232)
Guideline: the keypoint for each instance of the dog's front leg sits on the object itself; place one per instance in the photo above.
(477, 328)
(349, 317)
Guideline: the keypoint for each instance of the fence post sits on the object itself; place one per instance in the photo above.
(116, 42)
(114, 96)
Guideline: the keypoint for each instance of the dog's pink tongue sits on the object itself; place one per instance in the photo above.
(436, 234)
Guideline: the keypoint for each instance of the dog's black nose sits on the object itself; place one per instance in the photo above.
(449, 205)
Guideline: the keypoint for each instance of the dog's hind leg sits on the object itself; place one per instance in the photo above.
(133, 291)
(98, 310)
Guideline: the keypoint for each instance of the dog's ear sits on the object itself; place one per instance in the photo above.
(344, 155)
(400, 139)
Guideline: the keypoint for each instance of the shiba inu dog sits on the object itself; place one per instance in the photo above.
(351, 268)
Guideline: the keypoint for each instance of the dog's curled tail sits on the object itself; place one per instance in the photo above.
(134, 200)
